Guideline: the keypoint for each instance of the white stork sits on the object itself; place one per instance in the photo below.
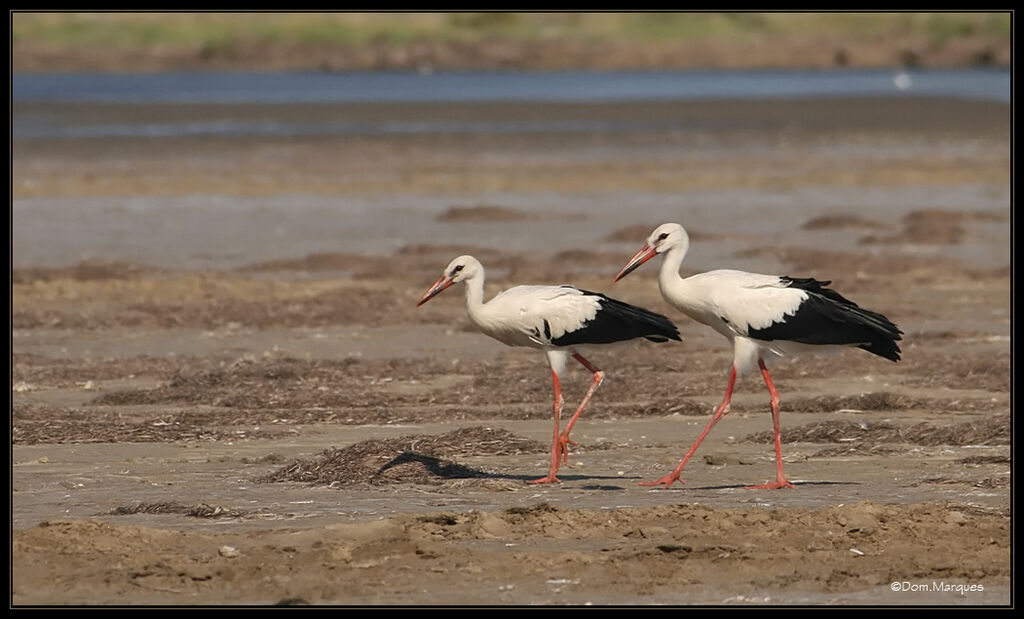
(557, 320)
(760, 314)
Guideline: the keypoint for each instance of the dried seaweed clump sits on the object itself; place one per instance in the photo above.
(933, 226)
(864, 435)
(201, 510)
(839, 221)
(408, 459)
(65, 426)
(86, 270)
(484, 212)
(875, 401)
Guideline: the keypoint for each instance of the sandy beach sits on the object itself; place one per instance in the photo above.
(223, 393)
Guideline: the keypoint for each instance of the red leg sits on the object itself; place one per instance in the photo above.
(722, 409)
(780, 479)
(555, 445)
(563, 440)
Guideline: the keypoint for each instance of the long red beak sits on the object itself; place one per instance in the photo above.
(443, 282)
(646, 253)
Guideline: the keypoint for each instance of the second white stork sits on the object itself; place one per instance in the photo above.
(760, 314)
(558, 320)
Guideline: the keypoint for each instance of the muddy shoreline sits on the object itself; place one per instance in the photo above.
(223, 393)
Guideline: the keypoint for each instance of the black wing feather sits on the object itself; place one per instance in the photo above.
(828, 318)
(618, 321)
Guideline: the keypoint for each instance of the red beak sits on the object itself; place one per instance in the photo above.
(646, 253)
(443, 282)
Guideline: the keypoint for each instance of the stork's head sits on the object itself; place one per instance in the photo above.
(458, 270)
(664, 238)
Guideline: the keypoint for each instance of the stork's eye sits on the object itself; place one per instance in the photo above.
(663, 236)
(456, 270)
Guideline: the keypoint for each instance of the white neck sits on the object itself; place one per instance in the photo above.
(668, 273)
(475, 296)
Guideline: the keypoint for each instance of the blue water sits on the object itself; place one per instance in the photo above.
(509, 86)
(554, 87)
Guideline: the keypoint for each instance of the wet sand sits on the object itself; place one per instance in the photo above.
(223, 393)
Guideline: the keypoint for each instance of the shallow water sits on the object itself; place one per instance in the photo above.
(473, 86)
(205, 231)
(469, 87)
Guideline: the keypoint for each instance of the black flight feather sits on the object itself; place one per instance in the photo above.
(828, 318)
(618, 321)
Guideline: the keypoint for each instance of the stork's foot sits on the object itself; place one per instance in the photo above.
(666, 480)
(563, 447)
(548, 479)
(775, 485)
